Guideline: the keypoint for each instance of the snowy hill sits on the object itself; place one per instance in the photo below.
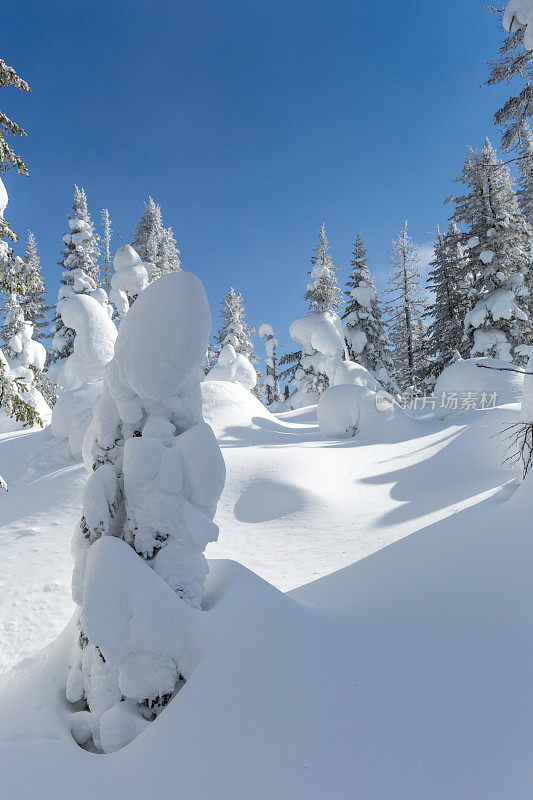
(404, 674)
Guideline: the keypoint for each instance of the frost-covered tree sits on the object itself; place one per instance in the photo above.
(79, 271)
(515, 59)
(154, 243)
(129, 279)
(319, 331)
(156, 474)
(106, 246)
(405, 309)
(235, 330)
(449, 281)
(33, 302)
(499, 250)
(364, 330)
(272, 393)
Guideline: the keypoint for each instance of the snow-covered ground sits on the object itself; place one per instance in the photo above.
(405, 674)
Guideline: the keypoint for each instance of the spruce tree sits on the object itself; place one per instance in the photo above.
(106, 239)
(364, 329)
(499, 244)
(154, 243)
(272, 393)
(405, 309)
(33, 302)
(323, 292)
(449, 282)
(235, 330)
(79, 270)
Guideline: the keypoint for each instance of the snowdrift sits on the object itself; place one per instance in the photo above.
(465, 377)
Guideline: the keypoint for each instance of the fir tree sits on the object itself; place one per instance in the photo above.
(448, 281)
(406, 309)
(272, 393)
(323, 292)
(79, 270)
(154, 243)
(499, 250)
(33, 301)
(235, 330)
(106, 225)
(364, 330)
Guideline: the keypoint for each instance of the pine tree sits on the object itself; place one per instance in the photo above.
(499, 251)
(108, 231)
(79, 270)
(323, 292)
(364, 330)
(154, 243)
(272, 392)
(448, 281)
(235, 330)
(405, 309)
(33, 301)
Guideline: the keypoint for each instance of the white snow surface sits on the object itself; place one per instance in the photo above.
(465, 379)
(321, 331)
(404, 675)
(4, 199)
(344, 410)
(520, 12)
(233, 367)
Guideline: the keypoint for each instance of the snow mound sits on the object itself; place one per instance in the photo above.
(129, 279)
(233, 367)
(320, 331)
(229, 405)
(343, 410)
(147, 361)
(72, 414)
(463, 385)
(351, 373)
(93, 344)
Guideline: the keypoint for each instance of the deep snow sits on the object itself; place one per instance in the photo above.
(404, 675)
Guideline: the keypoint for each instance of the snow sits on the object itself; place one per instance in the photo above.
(521, 12)
(72, 413)
(465, 377)
(352, 373)
(129, 279)
(473, 242)
(233, 367)
(340, 409)
(380, 674)
(3, 198)
(320, 331)
(526, 411)
(93, 344)
(265, 330)
(486, 256)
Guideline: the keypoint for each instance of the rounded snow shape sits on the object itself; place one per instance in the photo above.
(93, 344)
(354, 374)
(320, 331)
(462, 385)
(340, 408)
(126, 257)
(265, 330)
(163, 337)
(3, 198)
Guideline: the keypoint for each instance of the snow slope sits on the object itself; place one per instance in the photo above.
(404, 675)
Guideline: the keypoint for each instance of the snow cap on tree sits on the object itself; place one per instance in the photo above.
(129, 279)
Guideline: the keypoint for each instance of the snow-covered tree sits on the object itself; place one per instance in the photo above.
(33, 302)
(319, 331)
(364, 330)
(235, 330)
(499, 250)
(79, 271)
(106, 242)
(515, 59)
(129, 279)
(154, 243)
(405, 309)
(449, 281)
(156, 474)
(272, 392)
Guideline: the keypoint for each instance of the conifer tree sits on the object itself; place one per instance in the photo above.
(33, 301)
(364, 330)
(449, 282)
(272, 393)
(79, 270)
(154, 243)
(499, 250)
(406, 309)
(235, 330)
(106, 225)
(323, 292)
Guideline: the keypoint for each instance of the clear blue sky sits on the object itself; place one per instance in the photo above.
(250, 123)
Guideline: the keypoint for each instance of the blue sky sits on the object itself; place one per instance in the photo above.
(250, 123)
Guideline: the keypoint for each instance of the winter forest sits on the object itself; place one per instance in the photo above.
(262, 562)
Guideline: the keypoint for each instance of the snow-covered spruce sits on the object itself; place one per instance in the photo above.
(156, 476)
(106, 246)
(364, 331)
(499, 244)
(449, 281)
(129, 279)
(319, 331)
(235, 331)
(233, 367)
(79, 272)
(33, 301)
(272, 393)
(155, 244)
(406, 311)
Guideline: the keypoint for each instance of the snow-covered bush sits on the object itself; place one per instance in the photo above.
(349, 373)
(343, 411)
(234, 367)
(320, 335)
(129, 279)
(156, 476)
(463, 385)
